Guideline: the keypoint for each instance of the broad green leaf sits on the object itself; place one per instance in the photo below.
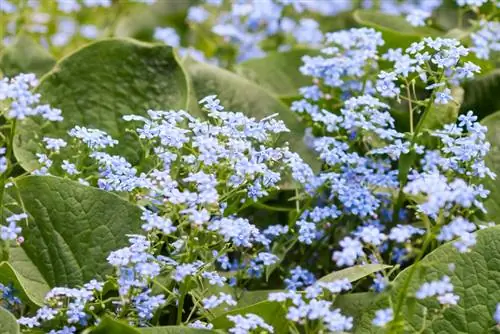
(71, 231)
(174, 330)
(481, 94)
(113, 326)
(98, 84)
(354, 273)
(492, 161)
(273, 314)
(476, 280)
(278, 72)
(25, 56)
(396, 31)
(441, 114)
(8, 323)
(240, 95)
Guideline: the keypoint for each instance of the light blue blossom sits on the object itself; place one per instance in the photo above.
(382, 317)
(351, 250)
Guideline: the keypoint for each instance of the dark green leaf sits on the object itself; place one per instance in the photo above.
(354, 273)
(25, 56)
(278, 72)
(476, 280)
(8, 323)
(98, 84)
(238, 94)
(71, 231)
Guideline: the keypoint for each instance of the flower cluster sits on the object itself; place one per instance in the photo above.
(204, 171)
(23, 102)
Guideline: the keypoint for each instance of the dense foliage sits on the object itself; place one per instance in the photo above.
(254, 166)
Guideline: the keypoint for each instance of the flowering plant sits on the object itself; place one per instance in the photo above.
(261, 170)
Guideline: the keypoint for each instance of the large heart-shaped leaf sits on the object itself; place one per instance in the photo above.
(476, 280)
(71, 230)
(98, 84)
(8, 323)
(492, 160)
(278, 72)
(25, 56)
(397, 32)
(238, 94)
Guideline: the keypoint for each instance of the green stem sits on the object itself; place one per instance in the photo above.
(411, 272)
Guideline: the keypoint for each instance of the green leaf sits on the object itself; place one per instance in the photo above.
(492, 161)
(272, 313)
(481, 94)
(396, 31)
(8, 323)
(71, 231)
(354, 273)
(98, 84)
(278, 72)
(113, 326)
(25, 56)
(441, 114)
(239, 94)
(476, 280)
